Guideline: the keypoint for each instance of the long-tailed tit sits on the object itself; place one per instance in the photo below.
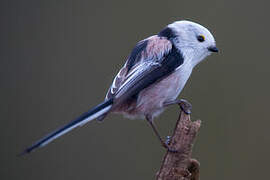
(152, 77)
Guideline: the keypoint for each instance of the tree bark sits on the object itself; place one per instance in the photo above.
(179, 165)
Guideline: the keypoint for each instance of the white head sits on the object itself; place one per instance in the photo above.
(193, 40)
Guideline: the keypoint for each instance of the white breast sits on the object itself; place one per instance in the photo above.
(151, 99)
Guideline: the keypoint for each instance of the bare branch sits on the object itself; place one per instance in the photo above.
(180, 166)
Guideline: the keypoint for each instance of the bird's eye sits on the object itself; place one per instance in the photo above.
(201, 38)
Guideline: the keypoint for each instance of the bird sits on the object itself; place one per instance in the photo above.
(151, 79)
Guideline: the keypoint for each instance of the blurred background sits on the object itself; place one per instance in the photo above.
(58, 58)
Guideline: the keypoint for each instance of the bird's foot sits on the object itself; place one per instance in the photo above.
(169, 149)
(168, 140)
(185, 106)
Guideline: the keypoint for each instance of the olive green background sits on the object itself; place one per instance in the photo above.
(57, 59)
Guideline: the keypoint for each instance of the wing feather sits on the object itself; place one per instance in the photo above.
(156, 60)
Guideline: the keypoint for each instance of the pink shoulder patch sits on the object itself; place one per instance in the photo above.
(157, 47)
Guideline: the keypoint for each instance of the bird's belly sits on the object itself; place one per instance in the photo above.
(150, 100)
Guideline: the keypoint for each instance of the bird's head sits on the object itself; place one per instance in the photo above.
(193, 40)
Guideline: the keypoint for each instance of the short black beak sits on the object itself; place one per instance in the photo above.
(213, 49)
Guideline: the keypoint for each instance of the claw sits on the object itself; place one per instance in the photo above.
(172, 150)
(185, 106)
(169, 149)
(168, 140)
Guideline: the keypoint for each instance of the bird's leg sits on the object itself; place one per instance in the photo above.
(184, 105)
(164, 144)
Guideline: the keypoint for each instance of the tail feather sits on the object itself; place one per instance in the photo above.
(93, 113)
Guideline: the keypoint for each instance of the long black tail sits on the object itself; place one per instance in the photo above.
(93, 113)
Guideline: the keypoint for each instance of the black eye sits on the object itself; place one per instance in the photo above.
(201, 38)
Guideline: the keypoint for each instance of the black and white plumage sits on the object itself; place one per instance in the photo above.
(153, 75)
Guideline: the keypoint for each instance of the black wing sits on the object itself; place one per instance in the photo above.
(143, 59)
(147, 73)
